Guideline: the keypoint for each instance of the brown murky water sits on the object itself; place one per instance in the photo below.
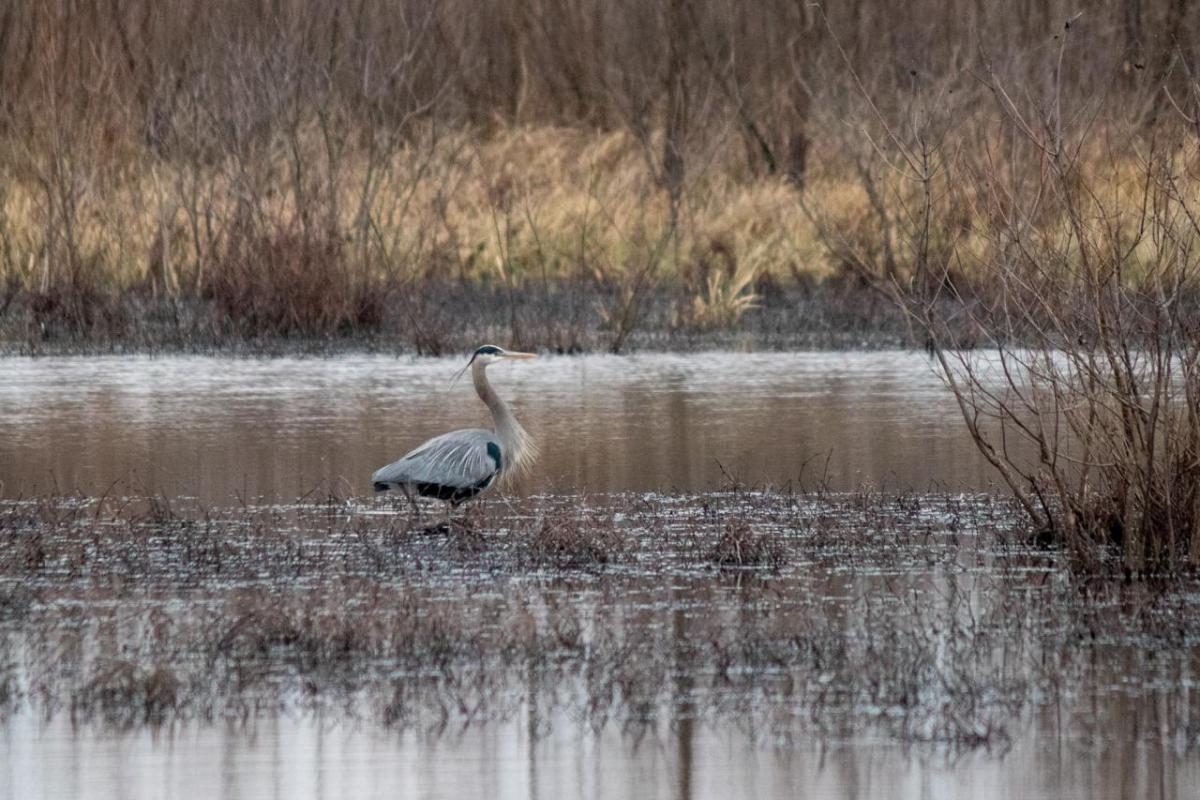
(216, 428)
(767, 683)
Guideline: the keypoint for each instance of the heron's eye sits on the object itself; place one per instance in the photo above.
(488, 350)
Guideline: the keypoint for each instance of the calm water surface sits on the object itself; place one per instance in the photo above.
(217, 428)
(302, 759)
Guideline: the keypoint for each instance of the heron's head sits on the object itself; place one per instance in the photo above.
(490, 354)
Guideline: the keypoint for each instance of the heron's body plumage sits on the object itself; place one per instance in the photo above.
(463, 464)
(455, 466)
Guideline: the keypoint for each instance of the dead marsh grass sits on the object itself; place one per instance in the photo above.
(875, 612)
(292, 172)
(576, 538)
(741, 546)
(526, 209)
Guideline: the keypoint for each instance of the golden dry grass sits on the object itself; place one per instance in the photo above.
(508, 206)
(544, 202)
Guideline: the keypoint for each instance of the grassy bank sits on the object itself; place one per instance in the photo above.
(548, 237)
(442, 319)
(284, 171)
(541, 237)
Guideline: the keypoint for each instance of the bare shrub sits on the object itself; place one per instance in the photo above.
(1095, 320)
(1071, 250)
(291, 283)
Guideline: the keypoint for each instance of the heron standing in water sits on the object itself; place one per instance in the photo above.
(463, 464)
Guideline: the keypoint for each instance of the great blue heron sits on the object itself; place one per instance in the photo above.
(461, 465)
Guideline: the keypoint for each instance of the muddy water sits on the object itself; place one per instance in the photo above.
(217, 428)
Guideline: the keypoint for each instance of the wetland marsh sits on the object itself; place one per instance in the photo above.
(729, 575)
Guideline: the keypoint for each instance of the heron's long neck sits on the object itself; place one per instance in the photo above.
(512, 436)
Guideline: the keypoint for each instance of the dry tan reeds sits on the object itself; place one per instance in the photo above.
(249, 152)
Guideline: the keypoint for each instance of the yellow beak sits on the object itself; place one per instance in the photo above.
(519, 355)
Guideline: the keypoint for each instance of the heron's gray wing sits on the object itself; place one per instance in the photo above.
(462, 459)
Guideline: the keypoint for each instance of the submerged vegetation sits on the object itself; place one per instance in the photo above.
(920, 617)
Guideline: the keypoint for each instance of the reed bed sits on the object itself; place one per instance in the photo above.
(264, 170)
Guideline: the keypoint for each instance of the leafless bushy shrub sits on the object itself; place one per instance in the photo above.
(1071, 248)
(291, 283)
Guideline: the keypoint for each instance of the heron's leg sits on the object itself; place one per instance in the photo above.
(467, 522)
(412, 501)
(464, 523)
(461, 522)
(441, 523)
(449, 508)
